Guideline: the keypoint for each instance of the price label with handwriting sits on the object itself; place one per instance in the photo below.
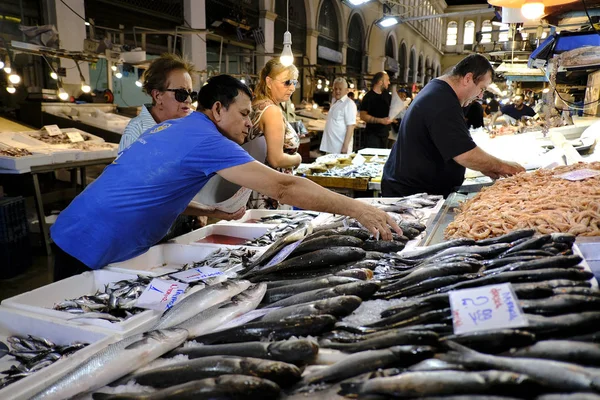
(75, 137)
(486, 308)
(53, 130)
(197, 274)
(161, 294)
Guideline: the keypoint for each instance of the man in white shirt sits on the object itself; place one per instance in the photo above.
(341, 119)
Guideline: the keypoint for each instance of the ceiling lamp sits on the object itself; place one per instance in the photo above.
(14, 78)
(533, 9)
(62, 94)
(11, 89)
(287, 57)
(386, 21)
(355, 3)
(530, 8)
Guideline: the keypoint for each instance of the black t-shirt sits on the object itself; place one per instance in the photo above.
(474, 115)
(512, 111)
(377, 105)
(431, 134)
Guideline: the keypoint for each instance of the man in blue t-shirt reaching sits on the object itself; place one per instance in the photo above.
(130, 207)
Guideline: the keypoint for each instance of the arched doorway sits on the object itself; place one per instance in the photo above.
(391, 65)
(412, 66)
(355, 51)
(402, 61)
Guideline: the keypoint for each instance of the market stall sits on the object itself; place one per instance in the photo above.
(343, 315)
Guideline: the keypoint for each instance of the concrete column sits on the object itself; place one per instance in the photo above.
(312, 36)
(71, 30)
(267, 23)
(194, 46)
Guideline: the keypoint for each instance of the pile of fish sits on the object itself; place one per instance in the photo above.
(115, 303)
(32, 354)
(366, 170)
(301, 344)
(225, 259)
(293, 220)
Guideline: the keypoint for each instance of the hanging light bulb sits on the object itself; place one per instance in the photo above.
(54, 75)
(14, 78)
(326, 89)
(11, 89)
(352, 86)
(85, 88)
(118, 75)
(113, 68)
(319, 81)
(139, 83)
(319, 86)
(327, 81)
(287, 57)
(7, 68)
(533, 9)
(1, 64)
(315, 106)
(62, 94)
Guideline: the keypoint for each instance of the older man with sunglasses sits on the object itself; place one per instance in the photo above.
(132, 204)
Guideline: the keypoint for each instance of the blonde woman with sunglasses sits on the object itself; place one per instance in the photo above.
(168, 81)
(276, 85)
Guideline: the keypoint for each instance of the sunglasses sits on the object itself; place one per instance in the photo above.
(181, 95)
(289, 82)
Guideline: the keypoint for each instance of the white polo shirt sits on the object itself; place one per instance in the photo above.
(341, 114)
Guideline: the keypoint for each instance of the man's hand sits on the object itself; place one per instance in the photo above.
(510, 168)
(376, 221)
(227, 216)
(385, 121)
(344, 149)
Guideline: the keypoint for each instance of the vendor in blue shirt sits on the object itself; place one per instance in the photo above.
(132, 204)
(516, 111)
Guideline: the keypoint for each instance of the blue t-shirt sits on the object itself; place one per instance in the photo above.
(131, 206)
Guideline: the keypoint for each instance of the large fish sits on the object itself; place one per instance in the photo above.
(283, 292)
(424, 273)
(440, 383)
(200, 301)
(295, 351)
(494, 341)
(226, 387)
(340, 306)
(362, 289)
(530, 244)
(562, 350)
(436, 248)
(371, 360)
(539, 263)
(283, 374)
(508, 237)
(569, 396)
(394, 337)
(563, 325)
(211, 319)
(561, 304)
(315, 259)
(254, 331)
(554, 374)
(291, 237)
(113, 362)
(325, 242)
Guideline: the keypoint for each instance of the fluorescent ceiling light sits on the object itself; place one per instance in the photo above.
(387, 21)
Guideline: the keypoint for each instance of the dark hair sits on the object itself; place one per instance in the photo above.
(378, 76)
(221, 88)
(351, 95)
(476, 64)
(155, 77)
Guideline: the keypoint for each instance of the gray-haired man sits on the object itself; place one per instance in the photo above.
(341, 119)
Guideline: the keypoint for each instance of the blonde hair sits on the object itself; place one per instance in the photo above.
(272, 69)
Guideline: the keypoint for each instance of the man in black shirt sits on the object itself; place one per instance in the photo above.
(517, 110)
(434, 145)
(375, 109)
(474, 115)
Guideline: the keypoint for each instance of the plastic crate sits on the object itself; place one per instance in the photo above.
(15, 257)
(13, 219)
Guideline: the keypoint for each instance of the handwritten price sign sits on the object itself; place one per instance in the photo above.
(486, 308)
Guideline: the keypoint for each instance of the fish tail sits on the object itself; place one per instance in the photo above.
(119, 396)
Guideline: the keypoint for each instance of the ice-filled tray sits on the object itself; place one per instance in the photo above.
(40, 301)
(91, 150)
(166, 258)
(17, 322)
(233, 234)
(108, 121)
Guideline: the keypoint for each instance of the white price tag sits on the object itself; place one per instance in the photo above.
(53, 130)
(75, 137)
(248, 317)
(161, 294)
(197, 274)
(580, 174)
(358, 160)
(284, 253)
(486, 308)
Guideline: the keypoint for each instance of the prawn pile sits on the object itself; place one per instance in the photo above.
(540, 200)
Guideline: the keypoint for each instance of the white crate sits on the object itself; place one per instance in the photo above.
(17, 322)
(24, 163)
(21, 139)
(166, 258)
(41, 300)
(237, 230)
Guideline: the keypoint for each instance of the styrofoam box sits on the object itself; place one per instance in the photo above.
(167, 258)
(239, 230)
(17, 322)
(84, 155)
(22, 139)
(41, 300)
(25, 163)
(258, 214)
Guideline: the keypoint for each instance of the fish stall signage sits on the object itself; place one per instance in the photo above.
(284, 253)
(53, 130)
(161, 294)
(197, 274)
(486, 308)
